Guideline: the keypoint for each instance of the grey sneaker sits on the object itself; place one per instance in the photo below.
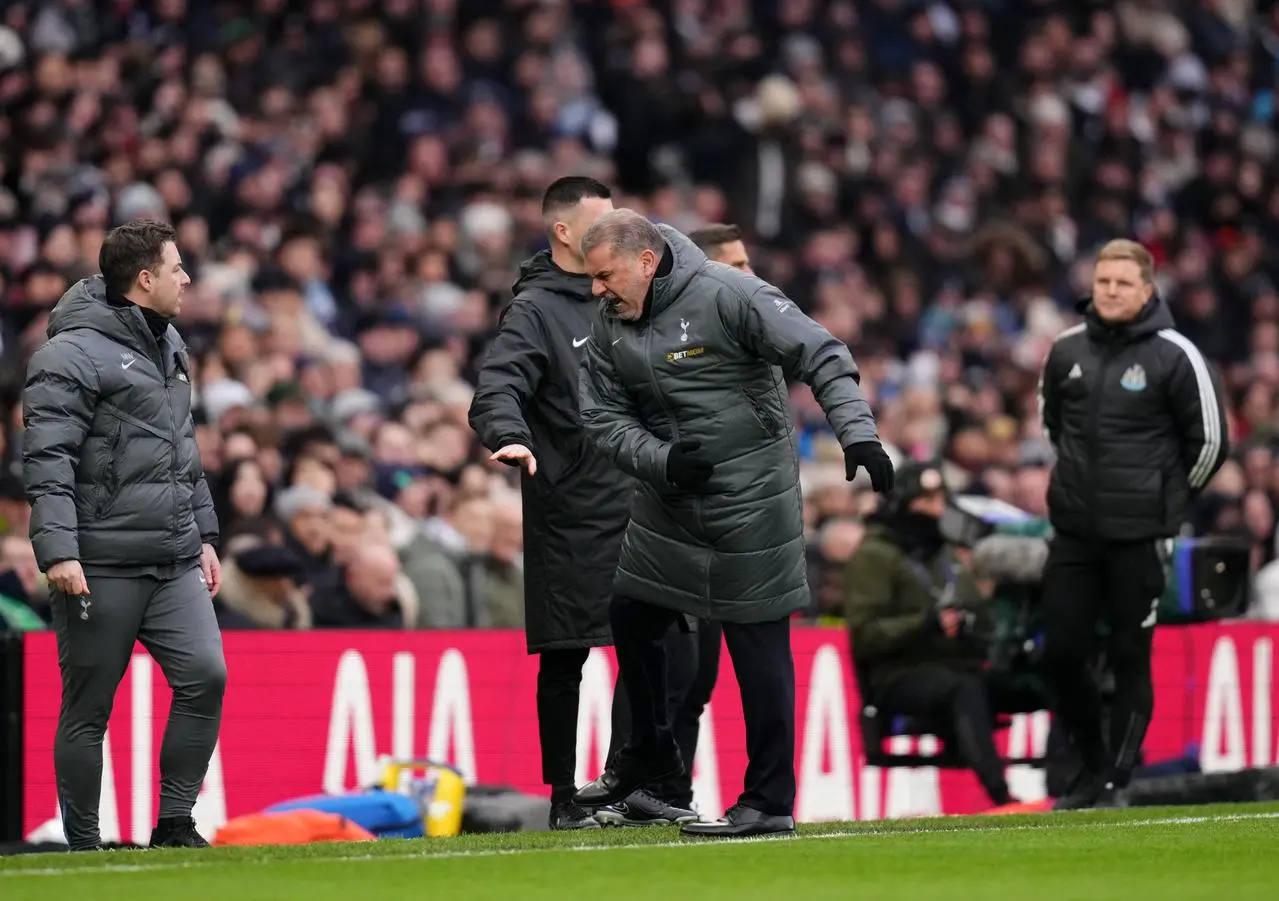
(643, 809)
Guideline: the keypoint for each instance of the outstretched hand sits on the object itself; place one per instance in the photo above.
(516, 455)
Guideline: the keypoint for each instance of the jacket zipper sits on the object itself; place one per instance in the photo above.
(652, 380)
(173, 468)
(173, 455)
(1094, 435)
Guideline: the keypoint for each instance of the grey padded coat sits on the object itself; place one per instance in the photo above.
(109, 456)
(709, 362)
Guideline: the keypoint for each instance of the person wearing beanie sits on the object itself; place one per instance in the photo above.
(918, 622)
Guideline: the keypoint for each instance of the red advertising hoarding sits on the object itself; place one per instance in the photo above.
(310, 712)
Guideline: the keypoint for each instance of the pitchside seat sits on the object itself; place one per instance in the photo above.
(879, 727)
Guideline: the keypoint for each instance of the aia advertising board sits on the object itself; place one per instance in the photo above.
(317, 711)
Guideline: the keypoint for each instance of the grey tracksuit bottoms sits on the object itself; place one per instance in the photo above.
(174, 620)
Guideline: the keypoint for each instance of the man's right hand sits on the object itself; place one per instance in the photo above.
(684, 468)
(516, 455)
(68, 578)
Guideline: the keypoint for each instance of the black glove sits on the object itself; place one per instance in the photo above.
(871, 456)
(684, 469)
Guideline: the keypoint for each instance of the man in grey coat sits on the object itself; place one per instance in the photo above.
(684, 387)
(123, 524)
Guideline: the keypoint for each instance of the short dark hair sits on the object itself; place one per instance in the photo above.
(129, 249)
(716, 235)
(570, 191)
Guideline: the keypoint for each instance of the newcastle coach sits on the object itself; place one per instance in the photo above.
(684, 388)
(123, 523)
(576, 503)
(1138, 423)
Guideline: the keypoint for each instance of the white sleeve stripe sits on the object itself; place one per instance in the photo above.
(1212, 423)
(1043, 405)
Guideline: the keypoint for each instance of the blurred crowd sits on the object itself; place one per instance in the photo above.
(354, 183)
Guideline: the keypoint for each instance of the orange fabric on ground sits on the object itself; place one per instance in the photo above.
(293, 827)
(1019, 807)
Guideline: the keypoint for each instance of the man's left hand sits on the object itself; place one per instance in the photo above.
(871, 456)
(212, 569)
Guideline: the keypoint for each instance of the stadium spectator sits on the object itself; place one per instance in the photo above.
(365, 595)
(261, 588)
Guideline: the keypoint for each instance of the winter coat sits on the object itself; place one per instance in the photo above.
(577, 504)
(708, 362)
(110, 462)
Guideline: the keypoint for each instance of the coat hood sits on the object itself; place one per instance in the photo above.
(85, 306)
(687, 260)
(1154, 317)
(540, 271)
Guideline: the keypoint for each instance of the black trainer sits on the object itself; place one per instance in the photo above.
(626, 776)
(567, 815)
(643, 809)
(1090, 790)
(176, 832)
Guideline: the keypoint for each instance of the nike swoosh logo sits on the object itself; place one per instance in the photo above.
(615, 340)
(578, 342)
(128, 364)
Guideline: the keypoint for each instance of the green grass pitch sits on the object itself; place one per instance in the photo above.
(1222, 853)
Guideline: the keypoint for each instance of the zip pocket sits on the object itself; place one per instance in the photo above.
(762, 415)
(107, 487)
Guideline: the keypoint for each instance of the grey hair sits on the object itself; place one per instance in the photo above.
(624, 232)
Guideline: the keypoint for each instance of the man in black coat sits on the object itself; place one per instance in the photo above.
(1139, 426)
(576, 503)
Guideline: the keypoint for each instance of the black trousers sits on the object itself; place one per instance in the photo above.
(692, 668)
(964, 704)
(1085, 584)
(765, 676)
(559, 684)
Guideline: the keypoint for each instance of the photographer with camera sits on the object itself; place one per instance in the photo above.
(920, 627)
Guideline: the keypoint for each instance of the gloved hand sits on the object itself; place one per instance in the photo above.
(684, 468)
(871, 456)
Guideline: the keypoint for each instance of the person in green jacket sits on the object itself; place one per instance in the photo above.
(921, 626)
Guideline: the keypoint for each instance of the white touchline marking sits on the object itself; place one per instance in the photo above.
(1061, 821)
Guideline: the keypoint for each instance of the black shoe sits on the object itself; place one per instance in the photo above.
(571, 816)
(741, 822)
(176, 832)
(1089, 791)
(620, 781)
(644, 809)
